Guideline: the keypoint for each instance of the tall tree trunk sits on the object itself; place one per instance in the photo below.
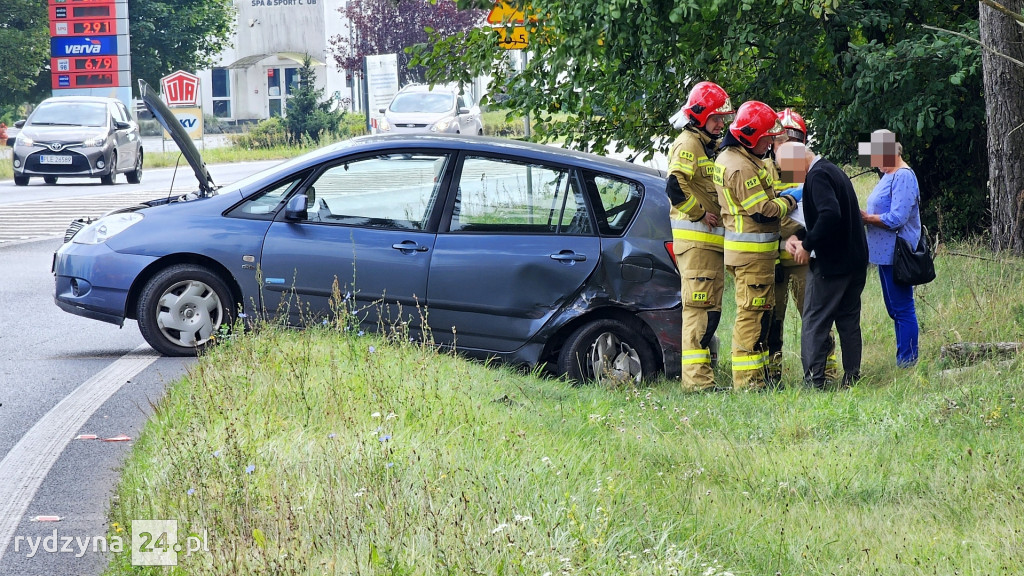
(1004, 98)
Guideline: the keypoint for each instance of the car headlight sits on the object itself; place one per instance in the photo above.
(96, 142)
(106, 228)
(442, 125)
(383, 125)
(23, 140)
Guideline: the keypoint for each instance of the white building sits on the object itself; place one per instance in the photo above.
(253, 79)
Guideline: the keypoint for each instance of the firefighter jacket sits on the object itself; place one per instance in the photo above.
(787, 225)
(751, 211)
(693, 193)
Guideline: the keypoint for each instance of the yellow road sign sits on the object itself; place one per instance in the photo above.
(504, 13)
(515, 38)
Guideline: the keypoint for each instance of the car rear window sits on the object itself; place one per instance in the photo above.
(618, 202)
(504, 196)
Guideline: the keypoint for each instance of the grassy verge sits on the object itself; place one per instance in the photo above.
(328, 452)
(227, 154)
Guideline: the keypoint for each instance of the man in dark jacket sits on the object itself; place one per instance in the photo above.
(833, 242)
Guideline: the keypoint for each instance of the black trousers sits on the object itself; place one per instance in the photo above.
(831, 300)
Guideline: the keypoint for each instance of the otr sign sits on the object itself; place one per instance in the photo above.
(83, 46)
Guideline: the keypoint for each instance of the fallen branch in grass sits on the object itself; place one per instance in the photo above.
(966, 353)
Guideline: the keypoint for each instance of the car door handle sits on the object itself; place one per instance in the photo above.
(410, 246)
(569, 256)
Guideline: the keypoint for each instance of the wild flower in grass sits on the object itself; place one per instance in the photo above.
(216, 454)
(191, 491)
(385, 438)
(250, 468)
(331, 435)
(522, 519)
(372, 350)
(390, 416)
(389, 465)
(500, 528)
(360, 333)
(375, 415)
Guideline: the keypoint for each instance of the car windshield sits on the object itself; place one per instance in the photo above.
(70, 114)
(429, 102)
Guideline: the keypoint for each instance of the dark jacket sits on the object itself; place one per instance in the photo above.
(833, 231)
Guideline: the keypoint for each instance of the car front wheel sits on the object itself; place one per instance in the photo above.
(135, 176)
(110, 178)
(607, 351)
(182, 308)
(21, 180)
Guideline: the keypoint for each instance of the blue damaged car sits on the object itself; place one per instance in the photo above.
(497, 248)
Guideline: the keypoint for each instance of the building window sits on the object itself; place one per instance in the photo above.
(221, 93)
(281, 82)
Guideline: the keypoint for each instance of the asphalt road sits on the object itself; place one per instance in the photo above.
(65, 376)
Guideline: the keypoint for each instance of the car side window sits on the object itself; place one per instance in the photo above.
(392, 191)
(505, 196)
(264, 205)
(619, 201)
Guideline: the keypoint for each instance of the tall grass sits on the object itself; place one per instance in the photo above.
(327, 451)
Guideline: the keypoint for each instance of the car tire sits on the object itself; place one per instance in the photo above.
(135, 176)
(110, 178)
(50, 179)
(182, 308)
(607, 350)
(21, 180)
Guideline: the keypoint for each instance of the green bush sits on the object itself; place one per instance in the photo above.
(269, 133)
(352, 124)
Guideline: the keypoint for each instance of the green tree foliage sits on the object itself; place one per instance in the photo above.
(24, 48)
(309, 115)
(168, 35)
(620, 68)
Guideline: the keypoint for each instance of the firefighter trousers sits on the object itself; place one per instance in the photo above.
(755, 298)
(702, 274)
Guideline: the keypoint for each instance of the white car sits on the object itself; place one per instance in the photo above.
(418, 109)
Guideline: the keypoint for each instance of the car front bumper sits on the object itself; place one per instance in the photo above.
(27, 161)
(93, 281)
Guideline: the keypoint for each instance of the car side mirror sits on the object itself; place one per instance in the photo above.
(19, 124)
(463, 110)
(297, 208)
(383, 110)
(121, 125)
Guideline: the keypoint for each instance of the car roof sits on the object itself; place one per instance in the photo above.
(96, 99)
(485, 144)
(427, 88)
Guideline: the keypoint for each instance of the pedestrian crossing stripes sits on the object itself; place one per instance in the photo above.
(50, 218)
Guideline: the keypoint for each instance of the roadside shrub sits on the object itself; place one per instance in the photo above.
(352, 124)
(269, 133)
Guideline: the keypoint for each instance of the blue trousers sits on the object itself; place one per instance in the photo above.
(899, 302)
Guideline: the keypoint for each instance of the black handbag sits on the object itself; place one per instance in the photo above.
(912, 267)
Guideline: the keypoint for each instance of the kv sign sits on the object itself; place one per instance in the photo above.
(180, 89)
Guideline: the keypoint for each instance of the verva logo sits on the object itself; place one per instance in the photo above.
(180, 88)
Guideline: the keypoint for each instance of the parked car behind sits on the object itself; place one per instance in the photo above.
(497, 248)
(78, 137)
(419, 108)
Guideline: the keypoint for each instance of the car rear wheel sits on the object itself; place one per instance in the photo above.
(607, 351)
(21, 180)
(135, 176)
(182, 308)
(110, 178)
(50, 179)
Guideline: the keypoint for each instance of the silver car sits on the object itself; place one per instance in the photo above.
(419, 109)
(78, 137)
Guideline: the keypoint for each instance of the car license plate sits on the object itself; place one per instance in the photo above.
(51, 159)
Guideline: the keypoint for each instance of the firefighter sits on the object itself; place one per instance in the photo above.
(751, 211)
(697, 235)
(790, 277)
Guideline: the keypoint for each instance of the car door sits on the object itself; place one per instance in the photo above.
(124, 141)
(517, 244)
(365, 242)
(469, 123)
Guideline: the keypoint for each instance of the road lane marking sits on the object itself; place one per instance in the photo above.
(27, 464)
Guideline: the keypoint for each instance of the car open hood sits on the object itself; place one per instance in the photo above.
(166, 119)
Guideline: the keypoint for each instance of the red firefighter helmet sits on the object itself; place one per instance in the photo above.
(793, 125)
(705, 99)
(753, 121)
